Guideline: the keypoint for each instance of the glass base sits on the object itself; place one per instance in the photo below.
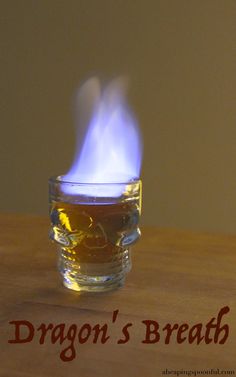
(94, 284)
(94, 277)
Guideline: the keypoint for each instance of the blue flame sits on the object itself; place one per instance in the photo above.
(112, 148)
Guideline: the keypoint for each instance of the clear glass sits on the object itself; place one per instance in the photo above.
(94, 233)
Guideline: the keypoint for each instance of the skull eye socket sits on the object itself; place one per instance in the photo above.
(69, 220)
(120, 221)
(115, 221)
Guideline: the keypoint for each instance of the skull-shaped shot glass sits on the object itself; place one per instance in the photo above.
(94, 226)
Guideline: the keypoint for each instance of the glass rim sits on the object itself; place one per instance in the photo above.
(59, 179)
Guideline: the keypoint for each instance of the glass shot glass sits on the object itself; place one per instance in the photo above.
(93, 230)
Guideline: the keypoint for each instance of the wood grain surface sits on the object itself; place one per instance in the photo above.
(177, 277)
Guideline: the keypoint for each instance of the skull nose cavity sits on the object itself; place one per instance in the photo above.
(96, 237)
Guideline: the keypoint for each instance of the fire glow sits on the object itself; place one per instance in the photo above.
(111, 151)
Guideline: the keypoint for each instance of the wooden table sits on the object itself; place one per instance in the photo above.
(177, 277)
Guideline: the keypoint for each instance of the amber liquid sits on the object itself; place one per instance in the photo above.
(94, 239)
